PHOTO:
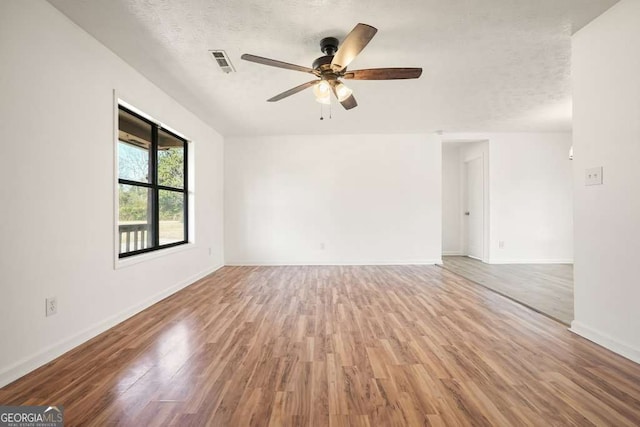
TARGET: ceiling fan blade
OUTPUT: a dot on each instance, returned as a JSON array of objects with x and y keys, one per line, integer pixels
[
  {"x": 352, "y": 45},
  {"x": 278, "y": 64},
  {"x": 292, "y": 91},
  {"x": 349, "y": 103},
  {"x": 384, "y": 74}
]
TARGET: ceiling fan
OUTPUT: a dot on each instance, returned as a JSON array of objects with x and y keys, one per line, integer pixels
[{"x": 332, "y": 67}]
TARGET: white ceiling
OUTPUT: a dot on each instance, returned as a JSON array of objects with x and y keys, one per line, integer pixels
[{"x": 489, "y": 65}]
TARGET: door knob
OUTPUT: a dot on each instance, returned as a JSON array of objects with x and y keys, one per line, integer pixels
[{"x": 466, "y": 213}]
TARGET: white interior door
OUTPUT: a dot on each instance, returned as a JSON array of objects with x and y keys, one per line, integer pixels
[{"x": 474, "y": 208}]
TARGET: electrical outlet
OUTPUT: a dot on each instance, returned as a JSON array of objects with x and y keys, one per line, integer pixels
[
  {"x": 501, "y": 244},
  {"x": 593, "y": 176},
  {"x": 51, "y": 306},
  {"x": 322, "y": 246},
  {"x": 209, "y": 251}
]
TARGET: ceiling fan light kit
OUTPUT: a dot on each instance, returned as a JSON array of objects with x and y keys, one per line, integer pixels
[
  {"x": 332, "y": 67},
  {"x": 322, "y": 91}
]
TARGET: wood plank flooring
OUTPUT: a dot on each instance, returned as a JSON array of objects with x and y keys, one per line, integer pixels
[
  {"x": 547, "y": 288},
  {"x": 337, "y": 346}
]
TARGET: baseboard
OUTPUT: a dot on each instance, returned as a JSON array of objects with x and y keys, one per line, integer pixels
[
  {"x": 530, "y": 261},
  {"x": 28, "y": 364},
  {"x": 452, "y": 253},
  {"x": 605, "y": 341},
  {"x": 328, "y": 263}
]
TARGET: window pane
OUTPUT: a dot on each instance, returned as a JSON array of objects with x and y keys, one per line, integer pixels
[
  {"x": 171, "y": 217},
  {"x": 133, "y": 162},
  {"x": 170, "y": 160},
  {"x": 134, "y": 218},
  {"x": 133, "y": 148}
]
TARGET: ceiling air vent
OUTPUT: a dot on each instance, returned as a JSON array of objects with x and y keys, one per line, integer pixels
[{"x": 223, "y": 61}]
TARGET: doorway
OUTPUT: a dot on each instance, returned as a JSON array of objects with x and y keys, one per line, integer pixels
[{"x": 465, "y": 189}]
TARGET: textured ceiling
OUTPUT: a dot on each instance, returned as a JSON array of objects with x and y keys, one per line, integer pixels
[{"x": 489, "y": 65}]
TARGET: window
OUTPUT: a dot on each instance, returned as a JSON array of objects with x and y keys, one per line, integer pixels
[{"x": 152, "y": 186}]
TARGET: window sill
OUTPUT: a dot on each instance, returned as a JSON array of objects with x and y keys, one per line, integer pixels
[{"x": 137, "y": 259}]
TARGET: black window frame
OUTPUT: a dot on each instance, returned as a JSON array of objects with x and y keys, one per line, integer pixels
[{"x": 155, "y": 187}]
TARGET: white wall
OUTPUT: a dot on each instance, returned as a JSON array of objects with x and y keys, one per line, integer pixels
[
  {"x": 531, "y": 198},
  {"x": 369, "y": 199},
  {"x": 606, "y": 123},
  {"x": 529, "y": 194},
  {"x": 57, "y": 196},
  {"x": 451, "y": 200}
]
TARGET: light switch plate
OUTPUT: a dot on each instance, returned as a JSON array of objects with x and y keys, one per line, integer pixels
[{"x": 593, "y": 176}]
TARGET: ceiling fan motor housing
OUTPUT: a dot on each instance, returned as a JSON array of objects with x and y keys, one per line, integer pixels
[
  {"x": 329, "y": 46},
  {"x": 323, "y": 63}
]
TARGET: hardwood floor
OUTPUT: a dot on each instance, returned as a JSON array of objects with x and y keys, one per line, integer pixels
[
  {"x": 366, "y": 346},
  {"x": 547, "y": 288}
]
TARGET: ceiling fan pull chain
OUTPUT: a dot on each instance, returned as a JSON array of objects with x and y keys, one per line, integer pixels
[
  {"x": 321, "y": 118},
  {"x": 330, "y": 109}
]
